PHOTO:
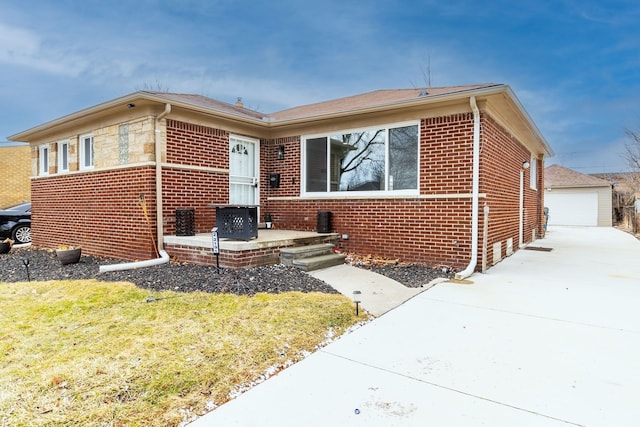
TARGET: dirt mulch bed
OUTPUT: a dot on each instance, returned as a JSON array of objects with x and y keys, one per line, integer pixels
[{"x": 43, "y": 265}]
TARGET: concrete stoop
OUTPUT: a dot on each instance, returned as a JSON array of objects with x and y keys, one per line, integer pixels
[{"x": 311, "y": 257}]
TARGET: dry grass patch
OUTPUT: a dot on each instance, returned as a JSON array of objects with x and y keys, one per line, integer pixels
[{"x": 97, "y": 353}]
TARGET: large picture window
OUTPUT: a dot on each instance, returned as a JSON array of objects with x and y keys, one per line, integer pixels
[{"x": 363, "y": 160}]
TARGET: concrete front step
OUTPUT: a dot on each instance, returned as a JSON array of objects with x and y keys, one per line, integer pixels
[
  {"x": 318, "y": 262},
  {"x": 289, "y": 255}
]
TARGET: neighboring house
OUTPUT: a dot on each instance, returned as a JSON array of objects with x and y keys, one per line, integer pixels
[
  {"x": 15, "y": 164},
  {"x": 401, "y": 171},
  {"x": 574, "y": 198}
]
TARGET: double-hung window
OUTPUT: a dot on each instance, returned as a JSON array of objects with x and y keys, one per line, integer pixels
[
  {"x": 377, "y": 159},
  {"x": 86, "y": 152},
  {"x": 63, "y": 156},
  {"x": 43, "y": 164},
  {"x": 533, "y": 173}
]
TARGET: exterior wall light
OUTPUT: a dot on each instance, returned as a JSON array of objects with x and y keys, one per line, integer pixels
[
  {"x": 525, "y": 164},
  {"x": 280, "y": 152},
  {"x": 131, "y": 105}
]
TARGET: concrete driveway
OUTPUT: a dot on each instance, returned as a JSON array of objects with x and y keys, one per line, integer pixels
[{"x": 544, "y": 338}]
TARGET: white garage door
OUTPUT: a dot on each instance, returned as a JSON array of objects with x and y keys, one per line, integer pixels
[{"x": 572, "y": 208}]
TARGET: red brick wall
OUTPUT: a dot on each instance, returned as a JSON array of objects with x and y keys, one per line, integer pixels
[
  {"x": 436, "y": 231},
  {"x": 99, "y": 211},
  {"x": 501, "y": 163},
  {"x": 446, "y": 154},
  {"x": 201, "y": 146},
  {"x": 289, "y": 168},
  {"x": 183, "y": 189},
  {"x": 195, "y": 145},
  {"x": 418, "y": 230}
]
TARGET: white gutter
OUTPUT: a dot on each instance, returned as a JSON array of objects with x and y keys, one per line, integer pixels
[
  {"x": 475, "y": 187},
  {"x": 164, "y": 256}
]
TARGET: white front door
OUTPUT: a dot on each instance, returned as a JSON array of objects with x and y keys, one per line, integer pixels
[{"x": 243, "y": 171}]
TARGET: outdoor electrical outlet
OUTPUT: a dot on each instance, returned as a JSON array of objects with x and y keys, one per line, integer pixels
[{"x": 345, "y": 237}]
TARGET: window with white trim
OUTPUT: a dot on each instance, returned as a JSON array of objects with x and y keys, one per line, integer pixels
[
  {"x": 63, "y": 156},
  {"x": 377, "y": 159},
  {"x": 533, "y": 175},
  {"x": 43, "y": 155},
  {"x": 86, "y": 152}
]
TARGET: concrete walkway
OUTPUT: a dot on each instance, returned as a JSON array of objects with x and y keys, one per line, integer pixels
[
  {"x": 378, "y": 294},
  {"x": 542, "y": 339}
]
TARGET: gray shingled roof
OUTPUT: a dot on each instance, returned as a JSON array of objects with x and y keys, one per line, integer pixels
[
  {"x": 369, "y": 100},
  {"x": 378, "y": 98},
  {"x": 207, "y": 103},
  {"x": 558, "y": 176}
]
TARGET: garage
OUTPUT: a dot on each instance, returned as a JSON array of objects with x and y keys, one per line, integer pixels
[
  {"x": 574, "y": 198},
  {"x": 572, "y": 208}
]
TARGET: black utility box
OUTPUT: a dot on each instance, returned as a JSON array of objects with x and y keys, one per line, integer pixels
[{"x": 324, "y": 222}]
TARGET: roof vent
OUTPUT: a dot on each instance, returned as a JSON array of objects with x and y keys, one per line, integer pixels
[
  {"x": 423, "y": 92},
  {"x": 239, "y": 102}
]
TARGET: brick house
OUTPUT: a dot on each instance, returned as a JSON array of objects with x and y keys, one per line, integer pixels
[{"x": 405, "y": 173}]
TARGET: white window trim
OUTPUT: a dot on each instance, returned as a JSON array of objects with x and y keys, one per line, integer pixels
[
  {"x": 358, "y": 194},
  {"x": 84, "y": 166},
  {"x": 62, "y": 147},
  {"x": 43, "y": 159}
]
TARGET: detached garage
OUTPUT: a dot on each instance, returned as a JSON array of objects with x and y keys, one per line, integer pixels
[{"x": 574, "y": 198}]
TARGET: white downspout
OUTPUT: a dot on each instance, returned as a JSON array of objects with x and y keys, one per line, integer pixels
[
  {"x": 521, "y": 211},
  {"x": 475, "y": 193},
  {"x": 164, "y": 256},
  {"x": 158, "y": 148}
]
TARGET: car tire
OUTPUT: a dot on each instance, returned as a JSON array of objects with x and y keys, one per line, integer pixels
[{"x": 22, "y": 234}]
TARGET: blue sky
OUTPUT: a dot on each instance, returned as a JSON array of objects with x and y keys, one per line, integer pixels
[{"x": 574, "y": 64}]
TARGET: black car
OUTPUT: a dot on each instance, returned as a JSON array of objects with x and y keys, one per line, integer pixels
[{"x": 15, "y": 223}]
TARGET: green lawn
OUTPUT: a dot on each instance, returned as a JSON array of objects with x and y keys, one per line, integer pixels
[{"x": 98, "y": 353}]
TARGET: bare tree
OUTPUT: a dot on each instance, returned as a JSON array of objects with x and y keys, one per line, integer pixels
[
  {"x": 362, "y": 161},
  {"x": 632, "y": 156},
  {"x": 157, "y": 87},
  {"x": 630, "y": 183},
  {"x": 632, "y": 150}
]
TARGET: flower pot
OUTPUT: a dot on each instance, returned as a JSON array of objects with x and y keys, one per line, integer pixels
[
  {"x": 5, "y": 247},
  {"x": 268, "y": 224},
  {"x": 68, "y": 256}
]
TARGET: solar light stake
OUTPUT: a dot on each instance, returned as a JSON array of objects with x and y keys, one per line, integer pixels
[
  {"x": 25, "y": 261},
  {"x": 357, "y": 301}
]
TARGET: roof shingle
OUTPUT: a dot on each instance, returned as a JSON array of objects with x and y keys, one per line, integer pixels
[{"x": 558, "y": 176}]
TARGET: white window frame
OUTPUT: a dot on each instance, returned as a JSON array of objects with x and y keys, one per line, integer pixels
[
  {"x": 43, "y": 159},
  {"x": 533, "y": 173},
  {"x": 359, "y": 194},
  {"x": 83, "y": 153},
  {"x": 63, "y": 148}
]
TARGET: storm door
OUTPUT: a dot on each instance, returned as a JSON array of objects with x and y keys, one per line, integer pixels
[{"x": 243, "y": 171}]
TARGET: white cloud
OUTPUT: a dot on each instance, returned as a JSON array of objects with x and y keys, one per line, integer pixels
[{"x": 25, "y": 48}]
